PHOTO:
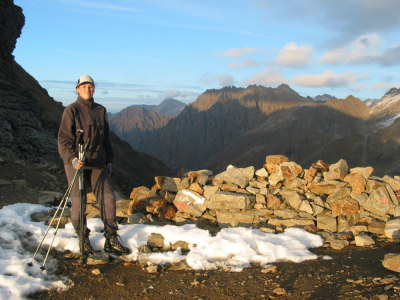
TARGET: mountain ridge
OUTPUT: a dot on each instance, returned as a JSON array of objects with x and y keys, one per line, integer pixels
[{"x": 230, "y": 125}]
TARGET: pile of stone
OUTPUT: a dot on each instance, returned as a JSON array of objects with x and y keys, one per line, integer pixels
[{"x": 343, "y": 205}]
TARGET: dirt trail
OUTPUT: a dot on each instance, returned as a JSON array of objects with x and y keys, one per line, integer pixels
[{"x": 352, "y": 273}]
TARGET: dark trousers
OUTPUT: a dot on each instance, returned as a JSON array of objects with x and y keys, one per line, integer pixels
[{"x": 99, "y": 181}]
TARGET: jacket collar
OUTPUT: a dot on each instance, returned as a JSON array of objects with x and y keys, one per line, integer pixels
[{"x": 85, "y": 102}]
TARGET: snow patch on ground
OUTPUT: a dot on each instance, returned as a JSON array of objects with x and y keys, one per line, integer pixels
[{"x": 232, "y": 248}]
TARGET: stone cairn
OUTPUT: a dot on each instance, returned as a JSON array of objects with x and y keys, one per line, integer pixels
[{"x": 343, "y": 206}]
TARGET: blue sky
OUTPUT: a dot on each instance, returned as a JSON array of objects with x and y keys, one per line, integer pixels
[{"x": 141, "y": 52}]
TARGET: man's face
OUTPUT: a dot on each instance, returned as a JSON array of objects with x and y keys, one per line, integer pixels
[{"x": 85, "y": 91}]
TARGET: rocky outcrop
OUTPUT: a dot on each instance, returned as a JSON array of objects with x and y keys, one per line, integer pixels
[
  {"x": 12, "y": 21},
  {"x": 344, "y": 205}
]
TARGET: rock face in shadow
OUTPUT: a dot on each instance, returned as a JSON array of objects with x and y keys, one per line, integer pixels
[
  {"x": 133, "y": 124},
  {"x": 136, "y": 123},
  {"x": 29, "y": 121},
  {"x": 241, "y": 126}
]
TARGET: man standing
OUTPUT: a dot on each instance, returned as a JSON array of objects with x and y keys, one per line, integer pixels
[{"x": 89, "y": 119}]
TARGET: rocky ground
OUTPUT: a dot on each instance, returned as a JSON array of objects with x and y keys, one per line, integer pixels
[
  {"x": 352, "y": 273},
  {"x": 28, "y": 182}
]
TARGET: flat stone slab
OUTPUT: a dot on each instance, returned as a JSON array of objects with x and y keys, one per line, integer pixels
[{"x": 99, "y": 258}]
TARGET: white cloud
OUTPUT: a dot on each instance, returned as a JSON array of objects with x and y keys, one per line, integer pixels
[
  {"x": 327, "y": 79},
  {"x": 237, "y": 52},
  {"x": 334, "y": 56},
  {"x": 295, "y": 56},
  {"x": 244, "y": 64},
  {"x": 347, "y": 18},
  {"x": 174, "y": 93},
  {"x": 223, "y": 80},
  {"x": 269, "y": 77},
  {"x": 385, "y": 86},
  {"x": 364, "y": 50},
  {"x": 391, "y": 56}
]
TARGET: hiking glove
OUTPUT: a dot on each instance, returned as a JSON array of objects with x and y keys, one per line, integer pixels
[{"x": 77, "y": 164}]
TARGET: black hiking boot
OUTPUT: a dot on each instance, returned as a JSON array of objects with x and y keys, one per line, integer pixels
[
  {"x": 87, "y": 248},
  {"x": 113, "y": 245}
]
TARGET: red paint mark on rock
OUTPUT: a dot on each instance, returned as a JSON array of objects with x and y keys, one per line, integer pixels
[
  {"x": 385, "y": 200},
  {"x": 181, "y": 205}
]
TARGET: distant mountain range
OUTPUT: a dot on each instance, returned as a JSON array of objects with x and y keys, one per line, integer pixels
[
  {"x": 169, "y": 107},
  {"x": 136, "y": 122},
  {"x": 324, "y": 98},
  {"x": 241, "y": 126}
]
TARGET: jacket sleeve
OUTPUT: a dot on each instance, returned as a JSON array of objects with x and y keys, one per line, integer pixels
[
  {"x": 107, "y": 140},
  {"x": 67, "y": 137}
]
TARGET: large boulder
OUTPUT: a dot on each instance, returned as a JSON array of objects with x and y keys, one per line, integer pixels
[
  {"x": 379, "y": 202},
  {"x": 357, "y": 182},
  {"x": 238, "y": 176},
  {"x": 293, "y": 198},
  {"x": 337, "y": 171},
  {"x": 230, "y": 200},
  {"x": 327, "y": 222},
  {"x": 227, "y": 218},
  {"x": 190, "y": 202},
  {"x": 325, "y": 187}
]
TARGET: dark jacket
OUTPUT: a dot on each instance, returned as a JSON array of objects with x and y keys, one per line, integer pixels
[{"x": 92, "y": 118}]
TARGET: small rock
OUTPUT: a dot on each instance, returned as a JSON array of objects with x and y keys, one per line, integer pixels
[
  {"x": 40, "y": 217},
  {"x": 279, "y": 291},
  {"x": 184, "y": 246},
  {"x": 144, "y": 249},
  {"x": 138, "y": 218},
  {"x": 339, "y": 244},
  {"x": 152, "y": 269},
  {"x": 155, "y": 240},
  {"x": 392, "y": 262},
  {"x": 392, "y": 229},
  {"x": 262, "y": 172},
  {"x": 46, "y": 200},
  {"x": 179, "y": 266},
  {"x": 98, "y": 259},
  {"x": 271, "y": 269},
  {"x": 364, "y": 240},
  {"x": 96, "y": 272},
  {"x": 69, "y": 255},
  {"x": 195, "y": 283}
]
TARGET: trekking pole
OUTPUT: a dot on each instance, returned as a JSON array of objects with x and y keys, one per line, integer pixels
[
  {"x": 81, "y": 152},
  {"x": 64, "y": 199},
  {"x": 82, "y": 155},
  {"x": 82, "y": 198}
]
